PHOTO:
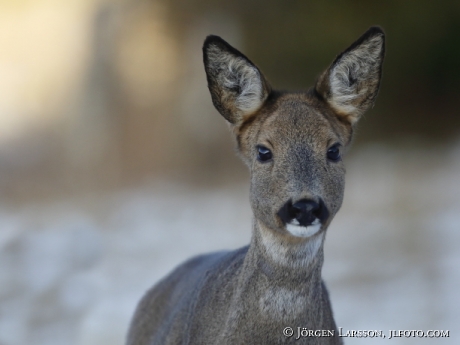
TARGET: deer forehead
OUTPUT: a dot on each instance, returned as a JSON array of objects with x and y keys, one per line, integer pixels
[{"x": 299, "y": 123}]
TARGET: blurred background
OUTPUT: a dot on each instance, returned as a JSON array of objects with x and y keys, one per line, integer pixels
[{"x": 115, "y": 167}]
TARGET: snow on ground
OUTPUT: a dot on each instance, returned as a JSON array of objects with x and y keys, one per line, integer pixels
[{"x": 72, "y": 271}]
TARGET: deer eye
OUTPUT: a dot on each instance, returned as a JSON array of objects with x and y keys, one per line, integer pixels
[
  {"x": 263, "y": 154},
  {"x": 333, "y": 153}
]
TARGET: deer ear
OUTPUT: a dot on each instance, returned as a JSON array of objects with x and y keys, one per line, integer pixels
[
  {"x": 350, "y": 85},
  {"x": 237, "y": 86}
]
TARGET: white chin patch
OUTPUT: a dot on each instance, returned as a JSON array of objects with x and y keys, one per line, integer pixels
[{"x": 303, "y": 231}]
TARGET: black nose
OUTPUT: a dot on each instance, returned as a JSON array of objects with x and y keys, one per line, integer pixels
[{"x": 304, "y": 212}]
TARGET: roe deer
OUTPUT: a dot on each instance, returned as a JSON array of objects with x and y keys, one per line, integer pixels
[{"x": 293, "y": 145}]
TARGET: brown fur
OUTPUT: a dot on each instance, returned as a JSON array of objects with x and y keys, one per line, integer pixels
[{"x": 250, "y": 295}]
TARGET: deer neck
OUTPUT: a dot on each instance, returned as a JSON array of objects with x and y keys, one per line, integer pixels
[
  {"x": 283, "y": 252},
  {"x": 283, "y": 276},
  {"x": 285, "y": 262}
]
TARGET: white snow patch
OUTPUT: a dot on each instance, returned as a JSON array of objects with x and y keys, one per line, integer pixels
[{"x": 72, "y": 274}]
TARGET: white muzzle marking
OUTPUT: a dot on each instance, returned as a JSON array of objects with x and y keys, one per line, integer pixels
[{"x": 303, "y": 231}]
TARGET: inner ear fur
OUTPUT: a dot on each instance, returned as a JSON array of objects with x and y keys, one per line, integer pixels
[
  {"x": 350, "y": 85},
  {"x": 237, "y": 86}
]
